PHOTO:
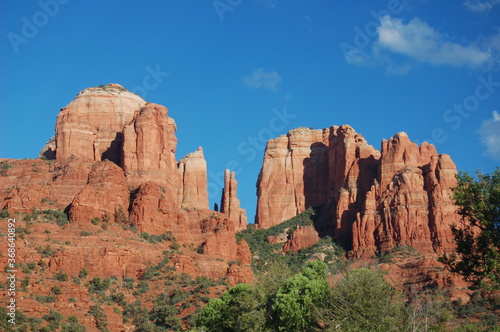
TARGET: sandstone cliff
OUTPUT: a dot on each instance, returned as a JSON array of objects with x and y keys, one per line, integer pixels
[
  {"x": 230, "y": 204},
  {"x": 115, "y": 161},
  {"x": 372, "y": 200}
]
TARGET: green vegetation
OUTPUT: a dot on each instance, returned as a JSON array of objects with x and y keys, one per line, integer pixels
[
  {"x": 477, "y": 256},
  {"x": 4, "y": 167},
  {"x": 267, "y": 254},
  {"x": 158, "y": 238},
  {"x": 361, "y": 301},
  {"x": 101, "y": 321}
]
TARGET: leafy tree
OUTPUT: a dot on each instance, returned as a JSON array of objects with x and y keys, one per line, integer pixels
[
  {"x": 477, "y": 256},
  {"x": 363, "y": 301},
  {"x": 296, "y": 300},
  {"x": 237, "y": 310}
]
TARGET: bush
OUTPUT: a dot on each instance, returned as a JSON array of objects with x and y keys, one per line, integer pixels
[
  {"x": 364, "y": 301},
  {"x": 4, "y": 213},
  {"x": 60, "y": 276},
  {"x": 98, "y": 285},
  {"x": 100, "y": 316}
]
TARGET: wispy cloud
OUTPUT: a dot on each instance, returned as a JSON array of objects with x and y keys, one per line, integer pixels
[
  {"x": 480, "y": 6},
  {"x": 490, "y": 136},
  {"x": 423, "y": 43},
  {"x": 262, "y": 79}
]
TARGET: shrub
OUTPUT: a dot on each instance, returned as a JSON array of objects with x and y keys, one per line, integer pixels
[
  {"x": 101, "y": 321},
  {"x": 364, "y": 301},
  {"x": 83, "y": 273},
  {"x": 60, "y": 276},
  {"x": 98, "y": 285}
]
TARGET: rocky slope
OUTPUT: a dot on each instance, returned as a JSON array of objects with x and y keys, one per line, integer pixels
[
  {"x": 115, "y": 160},
  {"x": 371, "y": 200}
]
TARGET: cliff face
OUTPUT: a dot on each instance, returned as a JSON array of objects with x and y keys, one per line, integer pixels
[
  {"x": 115, "y": 161},
  {"x": 372, "y": 200},
  {"x": 90, "y": 127},
  {"x": 230, "y": 204}
]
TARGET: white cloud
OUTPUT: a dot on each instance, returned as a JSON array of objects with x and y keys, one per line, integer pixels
[
  {"x": 420, "y": 41},
  {"x": 480, "y": 6},
  {"x": 490, "y": 136},
  {"x": 260, "y": 78}
]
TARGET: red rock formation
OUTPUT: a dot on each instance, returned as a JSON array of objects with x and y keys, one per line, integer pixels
[
  {"x": 149, "y": 145},
  {"x": 372, "y": 200},
  {"x": 90, "y": 127},
  {"x": 193, "y": 192},
  {"x": 300, "y": 238},
  {"x": 293, "y": 176},
  {"x": 230, "y": 204},
  {"x": 105, "y": 193},
  {"x": 142, "y": 184},
  {"x": 39, "y": 184}
]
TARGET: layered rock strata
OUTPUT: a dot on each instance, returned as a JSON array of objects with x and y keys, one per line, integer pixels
[
  {"x": 115, "y": 161},
  {"x": 371, "y": 200},
  {"x": 230, "y": 204}
]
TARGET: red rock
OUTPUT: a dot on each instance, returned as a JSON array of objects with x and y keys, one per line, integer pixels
[
  {"x": 230, "y": 204},
  {"x": 293, "y": 176},
  {"x": 90, "y": 127},
  {"x": 105, "y": 193},
  {"x": 34, "y": 183},
  {"x": 300, "y": 238},
  {"x": 193, "y": 178},
  {"x": 149, "y": 145},
  {"x": 372, "y": 201}
]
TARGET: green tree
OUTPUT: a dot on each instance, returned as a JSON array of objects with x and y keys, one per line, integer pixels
[
  {"x": 237, "y": 310},
  {"x": 363, "y": 301},
  {"x": 296, "y": 301},
  {"x": 477, "y": 253}
]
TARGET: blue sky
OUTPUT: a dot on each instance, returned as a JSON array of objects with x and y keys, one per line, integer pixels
[{"x": 234, "y": 73}]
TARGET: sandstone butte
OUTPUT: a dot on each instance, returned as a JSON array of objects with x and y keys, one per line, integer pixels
[
  {"x": 114, "y": 159},
  {"x": 370, "y": 200}
]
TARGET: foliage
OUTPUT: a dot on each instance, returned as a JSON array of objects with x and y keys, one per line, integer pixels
[
  {"x": 282, "y": 305},
  {"x": 296, "y": 300},
  {"x": 363, "y": 301},
  {"x": 4, "y": 167},
  {"x": 54, "y": 319},
  {"x": 58, "y": 216},
  {"x": 4, "y": 213},
  {"x": 60, "y": 276},
  {"x": 100, "y": 317},
  {"x": 158, "y": 238},
  {"x": 477, "y": 256},
  {"x": 46, "y": 252},
  {"x": 236, "y": 310},
  {"x": 266, "y": 254},
  {"x": 98, "y": 285}
]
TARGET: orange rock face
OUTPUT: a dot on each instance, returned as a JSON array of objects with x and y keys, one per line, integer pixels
[
  {"x": 293, "y": 176},
  {"x": 372, "y": 200},
  {"x": 230, "y": 204},
  {"x": 115, "y": 161},
  {"x": 90, "y": 127},
  {"x": 193, "y": 177},
  {"x": 300, "y": 238},
  {"x": 105, "y": 193}
]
